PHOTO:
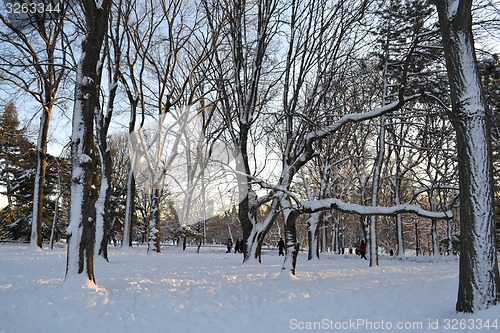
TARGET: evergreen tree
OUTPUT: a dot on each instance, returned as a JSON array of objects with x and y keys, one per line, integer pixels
[
  {"x": 17, "y": 173},
  {"x": 17, "y": 160}
]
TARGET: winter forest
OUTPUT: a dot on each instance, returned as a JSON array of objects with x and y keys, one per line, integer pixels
[{"x": 148, "y": 125}]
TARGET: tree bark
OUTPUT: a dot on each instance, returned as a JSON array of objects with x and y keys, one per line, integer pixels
[
  {"x": 313, "y": 224},
  {"x": 41, "y": 170},
  {"x": 375, "y": 190},
  {"x": 81, "y": 230},
  {"x": 479, "y": 277},
  {"x": 291, "y": 245}
]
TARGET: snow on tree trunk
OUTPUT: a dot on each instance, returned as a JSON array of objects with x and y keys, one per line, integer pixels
[
  {"x": 253, "y": 244},
  {"x": 134, "y": 168},
  {"x": 56, "y": 209},
  {"x": 81, "y": 229},
  {"x": 375, "y": 189},
  {"x": 312, "y": 235},
  {"x": 324, "y": 246},
  {"x": 291, "y": 245},
  {"x": 479, "y": 278},
  {"x": 336, "y": 233},
  {"x": 41, "y": 167},
  {"x": 434, "y": 232},
  {"x": 102, "y": 207},
  {"x": 103, "y": 120},
  {"x": 400, "y": 248},
  {"x": 154, "y": 221},
  {"x": 129, "y": 211}
]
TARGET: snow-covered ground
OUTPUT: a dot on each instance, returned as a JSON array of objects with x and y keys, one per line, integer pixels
[{"x": 212, "y": 291}]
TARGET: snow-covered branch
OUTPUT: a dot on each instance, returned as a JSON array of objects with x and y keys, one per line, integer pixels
[
  {"x": 358, "y": 117},
  {"x": 435, "y": 187},
  {"x": 333, "y": 203}
]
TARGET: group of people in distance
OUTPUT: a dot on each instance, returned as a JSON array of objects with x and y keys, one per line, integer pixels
[{"x": 238, "y": 248}]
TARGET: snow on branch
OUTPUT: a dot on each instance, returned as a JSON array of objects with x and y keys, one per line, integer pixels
[
  {"x": 307, "y": 152},
  {"x": 437, "y": 186},
  {"x": 358, "y": 117},
  {"x": 332, "y": 203}
]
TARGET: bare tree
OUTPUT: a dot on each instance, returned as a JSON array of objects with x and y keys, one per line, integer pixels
[
  {"x": 110, "y": 64},
  {"x": 244, "y": 76},
  {"x": 34, "y": 60}
]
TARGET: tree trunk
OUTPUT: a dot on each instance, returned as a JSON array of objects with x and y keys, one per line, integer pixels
[
  {"x": 103, "y": 120},
  {"x": 375, "y": 189},
  {"x": 81, "y": 230},
  {"x": 134, "y": 167},
  {"x": 478, "y": 278},
  {"x": 434, "y": 238},
  {"x": 400, "y": 246},
  {"x": 56, "y": 206},
  {"x": 103, "y": 223},
  {"x": 335, "y": 236},
  {"x": 313, "y": 224},
  {"x": 449, "y": 237},
  {"x": 41, "y": 170},
  {"x": 154, "y": 221},
  {"x": 434, "y": 232},
  {"x": 129, "y": 209},
  {"x": 291, "y": 245}
]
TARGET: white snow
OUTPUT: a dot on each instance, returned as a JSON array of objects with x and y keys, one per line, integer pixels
[
  {"x": 212, "y": 291},
  {"x": 452, "y": 8},
  {"x": 334, "y": 203}
]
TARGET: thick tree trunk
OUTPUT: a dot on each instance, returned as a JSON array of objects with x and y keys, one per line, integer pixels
[
  {"x": 479, "y": 278},
  {"x": 81, "y": 230}
]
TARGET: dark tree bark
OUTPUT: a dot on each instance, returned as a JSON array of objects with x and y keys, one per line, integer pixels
[
  {"x": 81, "y": 231},
  {"x": 479, "y": 278}
]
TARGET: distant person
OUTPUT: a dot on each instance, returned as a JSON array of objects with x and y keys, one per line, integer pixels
[
  {"x": 362, "y": 250},
  {"x": 281, "y": 247},
  {"x": 237, "y": 246},
  {"x": 229, "y": 245},
  {"x": 391, "y": 252}
]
